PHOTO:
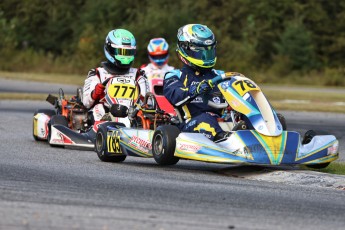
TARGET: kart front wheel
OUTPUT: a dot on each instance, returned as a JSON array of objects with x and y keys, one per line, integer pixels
[
  {"x": 282, "y": 121},
  {"x": 164, "y": 143},
  {"x": 308, "y": 136},
  {"x": 101, "y": 146}
]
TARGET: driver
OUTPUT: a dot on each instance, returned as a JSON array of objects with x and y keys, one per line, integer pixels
[
  {"x": 119, "y": 50},
  {"x": 190, "y": 87},
  {"x": 158, "y": 53}
]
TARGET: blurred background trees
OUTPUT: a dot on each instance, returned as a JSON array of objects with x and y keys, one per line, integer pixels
[{"x": 284, "y": 41}]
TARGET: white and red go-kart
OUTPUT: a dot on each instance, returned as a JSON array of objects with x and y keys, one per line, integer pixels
[
  {"x": 70, "y": 114},
  {"x": 69, "y": 125},
  {"x": 156, "y": 88}
]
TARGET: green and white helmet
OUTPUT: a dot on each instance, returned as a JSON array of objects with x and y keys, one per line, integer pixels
[{"x": 120, "y": 48}]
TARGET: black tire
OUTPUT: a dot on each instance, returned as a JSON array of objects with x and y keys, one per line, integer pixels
[
  {"x": 282, "y": 121},
  {"x": 56, "y": 120},
  {"x": 48, "y": 112},
  {"x": 101, "y": 144},
  {"x": 308, "y": 136},
  {"x": 241, "y": 125},
  {"x": 164, "y": 143}
]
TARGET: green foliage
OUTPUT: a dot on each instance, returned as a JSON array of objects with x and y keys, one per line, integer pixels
[
  {"x": 296, "y": 45},
  {"x": 269, "y": 40}
]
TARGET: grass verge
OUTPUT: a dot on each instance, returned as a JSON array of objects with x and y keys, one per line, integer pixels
[
  {"x": 26, "y": 96},
  {"x": 280, "y": 99},
  {"x": 45, "y": 77},
  {"x": 333, "y": 168}
]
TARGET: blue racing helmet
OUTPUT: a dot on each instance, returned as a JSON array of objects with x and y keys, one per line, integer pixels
[{"x": 196, "y": 46}]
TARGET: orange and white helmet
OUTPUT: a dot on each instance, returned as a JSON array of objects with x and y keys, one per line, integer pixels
[{"x": 158, "y": 50}]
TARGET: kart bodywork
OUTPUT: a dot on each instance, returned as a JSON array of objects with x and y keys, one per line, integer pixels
[
  {"x": 257, "y": 135},
  {"x": 68, "y": 114},
  {"x": 242, "y": 147},
  {"x": 70, "y": 125}
]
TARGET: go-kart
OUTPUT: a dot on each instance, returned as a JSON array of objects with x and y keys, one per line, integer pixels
[
  {"x": 70, "y": 113},
  {"x": 156, "y": 88},
  {"x": 70, "y": 124},
  {"x": 256, "y": 135}
]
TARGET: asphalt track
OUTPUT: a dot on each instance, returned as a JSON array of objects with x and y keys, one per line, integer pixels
[{"x": 54, "y": 188}]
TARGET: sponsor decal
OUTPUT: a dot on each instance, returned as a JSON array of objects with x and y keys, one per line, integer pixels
[
  {"x": 191, "y": 123},
  {"x": 208, "y": 42},
  {"x": 140, "y": 144},
  {"x": 188, "y": 147},
  {"x": 126, "y": 39},
  {"x": 333, "y": 149},
  {"x": 243, "y": 152},
  {"x": 225, "y": 85},
  {"x": 216, "y": 100},
  {"x": 197, "y": 100},
  {"x": 61, "y": 139},
  {"x": 123, "y": 80}
]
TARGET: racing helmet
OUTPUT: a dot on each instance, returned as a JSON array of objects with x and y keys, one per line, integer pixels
[
  {"x": 196, "y": 46},
  {"x": 120, "y": 48},
  {"x": 158, "y": 50}
]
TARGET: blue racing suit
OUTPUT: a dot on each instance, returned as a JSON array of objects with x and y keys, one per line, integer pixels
[{"x": 197, "y": 114}]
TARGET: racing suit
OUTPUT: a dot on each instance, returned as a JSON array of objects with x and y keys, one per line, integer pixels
[
  {"x": 152, "y": 71},
  {"x": 99, "y": 75},
  {"x": 197, "y": 114}
]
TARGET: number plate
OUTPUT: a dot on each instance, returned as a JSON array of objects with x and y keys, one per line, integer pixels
[{"x": 243, "y": 86}]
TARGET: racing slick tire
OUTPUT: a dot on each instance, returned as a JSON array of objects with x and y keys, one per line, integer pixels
[
  {"x": 164, "y": 143},
  {"x": 308, "y": 136},
  {"x": 49, "y": 112},
  {"x": 101, "y": 143},
  {"x": 242, "y": 125},
  {"x": 56, "y": 120},
  {"x": 282, "y": 121}
]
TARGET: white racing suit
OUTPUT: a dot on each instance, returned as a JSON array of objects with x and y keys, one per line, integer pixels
[
  {"x": 115, "y": 94},
  {"x": 152, "y": 71}
]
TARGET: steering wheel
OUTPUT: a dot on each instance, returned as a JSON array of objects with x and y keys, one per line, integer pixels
[{"x": 216, "y": 80}]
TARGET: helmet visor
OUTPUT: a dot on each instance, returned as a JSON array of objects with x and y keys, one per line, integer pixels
[
  {"x": 207, "y": 53},
  {"x": 122, "y": 51},
  {"x": 159, "y": 59}
]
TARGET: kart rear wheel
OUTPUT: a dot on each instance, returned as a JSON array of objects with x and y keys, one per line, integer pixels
[
  {"x": 308, "y": 136},
  {"x": 164, "y": 143},
  {"x": 241, "y": 125},
  {"x": 101, "y": 145},
  {"x": 282, "y": 121},
  {"x": 56, "y": 120},
  {"x": 48, "y": 112}
]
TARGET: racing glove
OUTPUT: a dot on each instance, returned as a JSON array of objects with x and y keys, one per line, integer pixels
[
  {"x": 98, "y": 92},
  {"x": 203, "y": 87}
]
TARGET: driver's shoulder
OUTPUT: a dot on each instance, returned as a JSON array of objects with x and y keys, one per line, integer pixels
[
  {"x": 218, "y": 72},
  {"x": 172, "y": 73}
]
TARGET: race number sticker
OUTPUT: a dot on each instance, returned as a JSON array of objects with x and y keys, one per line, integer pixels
[
  {"x": 242, "y": 86},
  {"x": 113, "y": 142},
  {"x": 119, "y": 90}
]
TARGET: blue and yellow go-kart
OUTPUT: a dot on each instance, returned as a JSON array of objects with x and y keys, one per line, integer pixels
[{"x": 257, "y": 135}]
